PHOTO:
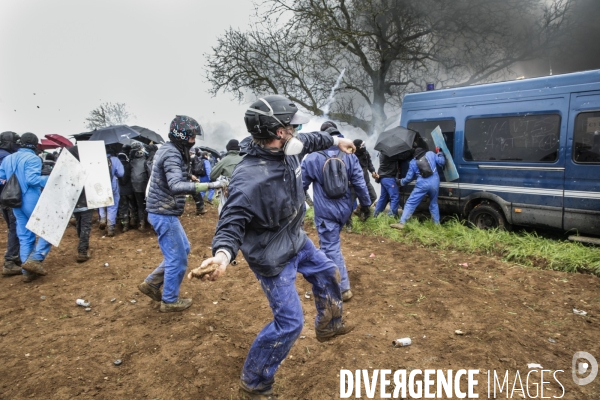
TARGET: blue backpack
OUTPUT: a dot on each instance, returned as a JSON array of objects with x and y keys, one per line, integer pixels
[{"x": 335, "y": 176}]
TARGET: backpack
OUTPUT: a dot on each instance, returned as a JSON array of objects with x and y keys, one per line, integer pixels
[
  {"x": 198, "y": 168},
  {"x": 335, "y": 176},
  {"x": 424, "y": 166},
  {"x": 11, "y": 193}
]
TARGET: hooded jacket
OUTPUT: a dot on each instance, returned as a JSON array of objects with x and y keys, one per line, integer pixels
[
  {"x": 365, "y": 160},
  {"x": 168, "y": 182},
  {"x": 226, "y": 166},
  {"x": 139, "y": 175},
  {"x": 435, "y": 160},
  {"x": 28, "y": 167},
  {"x": 265, "y": 209},
  {"x": 337, "y": 210},
  {"x": 388, "y": 166}
]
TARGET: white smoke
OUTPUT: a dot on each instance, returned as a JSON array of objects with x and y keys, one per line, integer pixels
[{"x": 331, "y": 97}]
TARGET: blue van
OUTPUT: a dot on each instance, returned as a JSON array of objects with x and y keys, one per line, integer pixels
[{"x": 527, "y": 151}]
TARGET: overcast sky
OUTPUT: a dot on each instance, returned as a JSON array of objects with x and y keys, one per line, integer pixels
[{"x": 68, "y": 56}]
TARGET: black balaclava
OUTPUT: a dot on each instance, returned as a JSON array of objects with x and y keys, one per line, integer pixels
[
  {"x": 29, "y": 141},
  {"x": 358, "y": 143},
  {"x": 8, "y": 141}
]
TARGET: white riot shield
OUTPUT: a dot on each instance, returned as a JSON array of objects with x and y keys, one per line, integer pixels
[
  {"x": 98, "y": 187},
  {"x": 57, "y": 202}
]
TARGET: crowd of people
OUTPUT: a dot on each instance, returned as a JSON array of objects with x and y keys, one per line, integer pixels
[{"x": 263, "y": 181}]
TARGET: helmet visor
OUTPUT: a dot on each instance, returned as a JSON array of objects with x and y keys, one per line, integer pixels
[{"x": 299, "y": 118}]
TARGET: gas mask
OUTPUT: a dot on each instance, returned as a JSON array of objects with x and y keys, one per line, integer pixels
[{"x": 293, "y": 146}]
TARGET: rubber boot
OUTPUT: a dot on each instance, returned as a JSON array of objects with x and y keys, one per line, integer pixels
[
  {"x": 125, "y": 224},
  {"x": 142, "y": 227},
  {"x": 11, "y": 268},
  {"x": 110, "y": 231},
  {"x": 102, "y": 225}
]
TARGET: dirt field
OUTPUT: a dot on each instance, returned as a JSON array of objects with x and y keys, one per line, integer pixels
[{"x": 53, "y": 349}]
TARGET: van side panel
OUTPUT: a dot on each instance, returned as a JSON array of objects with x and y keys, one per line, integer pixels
[{"x": 582, "y": 175}]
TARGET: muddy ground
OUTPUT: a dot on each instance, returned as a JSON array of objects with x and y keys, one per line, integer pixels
[{"x": 52, "y": 349}]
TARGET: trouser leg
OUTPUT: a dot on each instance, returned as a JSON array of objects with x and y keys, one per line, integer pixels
[
  {"x": 434, "y": 209},
  {"x": 12, "y": 245},
  {"x": 175, "y": 248},
  {"x": 330, "y": 244},
  {"x": 84, "y": 229},
  {"x": 412, "y": 203},
  {"x": 140, "y": 199}
]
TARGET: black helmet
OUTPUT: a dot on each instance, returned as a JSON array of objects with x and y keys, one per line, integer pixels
[{"x": 264, "y": 116}]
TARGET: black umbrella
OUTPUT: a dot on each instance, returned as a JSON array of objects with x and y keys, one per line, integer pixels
[
  {"x": 147, "y": 136},
  {"x": 83, "y": 136},
  {"x": 114, "y": 134},
  {"x": 214, "y": 152},
  {"x": 396, "y": 141}
]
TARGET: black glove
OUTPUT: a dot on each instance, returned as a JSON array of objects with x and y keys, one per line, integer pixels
[{"x": 365, "y": 213}]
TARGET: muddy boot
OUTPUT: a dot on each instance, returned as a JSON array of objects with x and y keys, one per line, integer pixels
[
  {"x": 125, "y": 224},
  {"x": 347, "y": 295},
  {"x": 179, "y": 305},
  {"x": 30, "y": 277},
  {"x": 102, "y": 224},
  {"x": 34, "y": 266},
  {"x": 150, "y": 291},
  {"x": 10, "y": 268},
  {"x": 397, "y": 226},
  {"x": 200, "y": 211},
  {"x": 83, "y": 257},
  {"x": 346, "y": 328},
  {"x": 142, "y": 227},
  {"x": 110, "y": 232},
  {"x": 248, "y": 394}
]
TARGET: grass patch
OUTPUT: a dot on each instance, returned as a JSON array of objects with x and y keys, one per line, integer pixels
[{"x": 518, "y": 247}]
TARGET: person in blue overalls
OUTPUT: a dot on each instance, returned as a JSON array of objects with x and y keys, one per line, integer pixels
[
  {"x": 28, "y": 168},
  {"x": 428, "y": 182},
  {"x": 263, "y": 218}
]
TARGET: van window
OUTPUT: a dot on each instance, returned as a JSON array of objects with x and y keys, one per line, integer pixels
[
  {"x": 586, "y": 138},
  {"x": 524, "y": 138},
  {"x": 426, "y": 127}
]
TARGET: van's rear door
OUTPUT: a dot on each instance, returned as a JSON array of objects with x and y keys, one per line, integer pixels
[{"x": 582, "y": 167}]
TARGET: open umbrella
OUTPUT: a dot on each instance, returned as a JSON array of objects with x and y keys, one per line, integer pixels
[
  {"x": 83, "y": 136},
  {"x": 395, "y": 142},
  {"x": 214, "y": 152},
  {"x": 114, "y": 134},
  {"x": 147, "y": 136},
  {"x": 60, "y": 140},
  {"x": 46, "y": 144}
]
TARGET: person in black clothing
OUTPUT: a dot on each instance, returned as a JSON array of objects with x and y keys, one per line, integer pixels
[
  {"x": 127, "y": 204},
  {"x": 367, "y": 166},
  {"x": 83, "y": 218},
  {"x": 48, "y": 164},
  {"x": 200, "y": 169},
  {"x": 139, "y": 180},
  {"x": 12, "y": 260},
  {"x": 387, "y": 175}
]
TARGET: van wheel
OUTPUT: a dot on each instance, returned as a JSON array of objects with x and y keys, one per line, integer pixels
[{"x": 488, "y": 216}]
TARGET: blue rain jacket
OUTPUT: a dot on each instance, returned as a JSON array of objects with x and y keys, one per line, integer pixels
[
  {"x": 264, "y": 212},
  {"x": 337, "y": 210},
  {"x": 28, "y": 167}
]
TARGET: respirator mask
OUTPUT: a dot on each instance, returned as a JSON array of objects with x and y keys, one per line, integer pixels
[{"x": 293, "y": 146}]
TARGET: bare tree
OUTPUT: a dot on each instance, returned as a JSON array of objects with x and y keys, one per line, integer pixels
[
  {"x": 386, "y": 48},
  {"x": 107, "y": 114}
]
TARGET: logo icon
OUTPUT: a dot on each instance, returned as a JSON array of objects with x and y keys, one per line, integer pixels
[{"x": 581, "y": 368}]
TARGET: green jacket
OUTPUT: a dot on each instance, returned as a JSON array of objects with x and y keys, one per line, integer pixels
[{"x": 226, "y": 165}]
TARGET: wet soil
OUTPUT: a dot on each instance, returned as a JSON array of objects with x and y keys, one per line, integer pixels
[{"x": 53, "y": 349}]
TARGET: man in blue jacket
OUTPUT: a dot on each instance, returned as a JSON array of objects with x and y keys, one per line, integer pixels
[
  {"x": 331, "y": 214},
  {"x": 263, "y": 217},
  {"x": 28, "y": 168},
  {"x": 12, "y": 261},
  {"x": 428, "y": 182},
  {"x": 169, "y": 183}
]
